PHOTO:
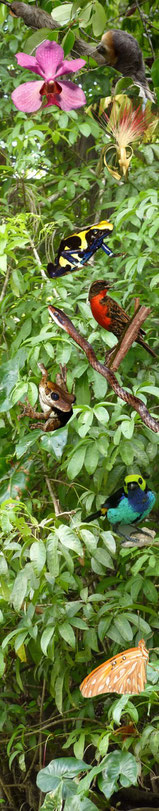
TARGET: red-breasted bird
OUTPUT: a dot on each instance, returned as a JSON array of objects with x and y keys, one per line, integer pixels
[{"x": 110, "y": 315}]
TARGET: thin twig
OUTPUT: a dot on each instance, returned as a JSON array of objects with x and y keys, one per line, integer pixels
[
  {"x": 39, "y": 263},
  {"x": 129, "y": 336},
  {"x": 37, "y": 257},
  {"x": 55, "y": 501},
  {"x": 142, "y": 18},
  {"x": 5, "y": 284},
  {"x": 64, "y": 322},
  {"x": 40, "y": 737}
]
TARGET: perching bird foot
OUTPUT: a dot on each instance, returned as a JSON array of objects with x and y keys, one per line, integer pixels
[{"x": 136, "y": 537}]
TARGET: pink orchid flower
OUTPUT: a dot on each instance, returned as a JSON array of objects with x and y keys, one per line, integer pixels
[{"x": 49, "y": 63}]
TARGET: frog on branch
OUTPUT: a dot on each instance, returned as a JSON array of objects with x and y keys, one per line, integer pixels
[{"x": 55, "y": 400}]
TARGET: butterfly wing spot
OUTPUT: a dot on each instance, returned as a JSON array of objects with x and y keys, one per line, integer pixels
[{"x": 129, "y": 676}]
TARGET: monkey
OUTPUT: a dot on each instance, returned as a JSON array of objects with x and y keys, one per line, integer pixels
[{"x": 121, "y": 51}]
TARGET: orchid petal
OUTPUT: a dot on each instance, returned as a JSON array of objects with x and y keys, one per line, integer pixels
[
  {"x": 71, "y": 96},
  {"x": 28, "y": 62},
  {"x": 49, "y": 57},
  {"x": 70, "y": 66},
  {"x": 27, "y": 96}
]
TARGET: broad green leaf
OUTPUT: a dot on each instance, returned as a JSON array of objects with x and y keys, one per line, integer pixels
[
  {"x": 32, "y": 393},
  {"x": 76, "y": 462},
  {"x": 52, "y": 555},
  {"x": 38, "y": 555},
  {"x": 26, "y": 442},
  {"x": 53, "y": 800},
  {"x": 79, "y": 804},
  {"x": 118, "y": 708},
  {"x": 103, "y": 557},
  {"x": 67, "y": 633},
  {"x": 79, "y": 746},
  {"x": 59, "y": 692},
  {"x": 155, "y": 72},
  {"x": 69, "y": 539},
  {"x": 19, "y": 590},
  {"x": 48, "y": 779},
  {"x": 39, "y": 36},
  {"x": 68, "y": 42},
  {"x": 102, "y": 414},
  {"x": 2, "y": 664},
  {"x": 98, "y": 19},
  {"x": 62, "y": 14},
  {"x": 55, "y": 442},
  {"x": 124, "y": 627},
  {"x": 91, "y": 458},
  {"x": 45, "y": 639}
]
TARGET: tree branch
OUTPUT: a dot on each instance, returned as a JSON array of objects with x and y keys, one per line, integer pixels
[
  {"x": 35, "y": 17},
  {"x": 129, "y": 336},
  {"x": 64, "y": 322}
]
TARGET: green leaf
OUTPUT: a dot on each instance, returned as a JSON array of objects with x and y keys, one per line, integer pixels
[
  {"x": 98, "y": 19},
  {"x": 48, "y": 779},
  {"x": 2, "y": 664},
  {"x": 79, "y": 746},
  {"x": 26, "y": 442},
  {"x": 55, "y": 442},
  {"x": 124, "y": 627},
  {"x": 103, "y": 557},
  {"x": 102, "y": 414},
  {"x": 85, "y": 130},
  {"x": 67, "y": 633},
  {"x": 53, "y": 800},
  {"x": 39, "y": 36},
  {"x": 19, "y": 590},
  {"x": 32, "y": 393},
  {"x": 76, "y": 462},
  {"x": 69, "y": 539},
  {"x": 91, "y": 458},
  {"x": 120, "y": 766},
  {"x": 68, "y": 42},
  {"x": 52, "y": 555},
  {"x": 127, "y": 428},
  {"x": 118, "y": 708},
  {"x": 59, "y": 692},
  {"x": 38, "y": 555},
  {"x": 62, "y": 14},
  {"x": 45, "y": 639},
  {"x": 155, "y": 72},
  {"x": 79, "y": 804},
  {"x": 150, "y": 591}
]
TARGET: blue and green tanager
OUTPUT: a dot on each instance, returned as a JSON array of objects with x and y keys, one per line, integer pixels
[{"x": 131, "y": 503}]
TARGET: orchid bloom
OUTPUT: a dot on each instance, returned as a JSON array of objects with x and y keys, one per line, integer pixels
[{"x": 49, "y": 63}]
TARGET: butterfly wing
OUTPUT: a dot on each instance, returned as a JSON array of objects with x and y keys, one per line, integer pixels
[{"x": 125, "y": 673}]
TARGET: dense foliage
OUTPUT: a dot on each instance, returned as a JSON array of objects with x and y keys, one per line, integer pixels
[{"x": 72, "y": 596}]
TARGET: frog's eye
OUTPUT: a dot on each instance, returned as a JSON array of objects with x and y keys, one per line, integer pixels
[{"x": 54, "y": 396}]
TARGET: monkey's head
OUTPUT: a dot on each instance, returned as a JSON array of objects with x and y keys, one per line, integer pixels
[{"x": 121, "y": 51}]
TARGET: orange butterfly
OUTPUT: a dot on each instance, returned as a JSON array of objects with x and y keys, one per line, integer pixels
[{"x": 124, "y": 673}]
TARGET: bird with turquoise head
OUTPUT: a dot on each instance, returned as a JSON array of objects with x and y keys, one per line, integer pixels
[{"x": 130, "y": 504}]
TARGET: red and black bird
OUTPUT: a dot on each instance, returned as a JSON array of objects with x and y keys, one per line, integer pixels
[{"x": 110, "y": 315}]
